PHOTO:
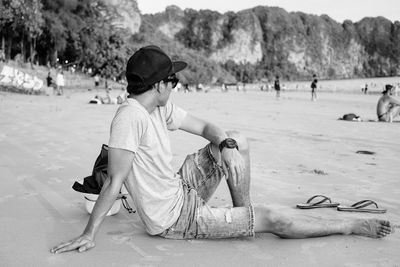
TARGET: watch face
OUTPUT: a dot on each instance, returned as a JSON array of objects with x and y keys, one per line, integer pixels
[{"x": 230, "y": 143}]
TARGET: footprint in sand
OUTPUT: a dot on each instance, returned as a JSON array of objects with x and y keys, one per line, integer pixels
[
  {"x": 40, "y": 139},
  {"x": 54, "y": 167},
  {"x": 374, "y": 263},
  {"x": 3, "y": 137},
  {"x": 28, "y": 195},
  {"x": 192, "y": 241},
  {"x": 128, "y": 240},
  {"x": 134, "y": 228},
  {"x": 164, "y": 247},
  {"x": 5, "y": 198},
  {"x": 167, "y": 249},
  {"x": 254, "y": 251},
  {"x": 73, "y": 205},
  {"x": 54, "y": 180},
  {"x": 121, "y": 238},
  {"x": 72, "y": 158},
  {"x": 22, "y": 177},
  {"x": 71, "y": 221},
  {"x": 55, "y": 260},
  {"x": 309, "y": 249},
  {"x": 118, "y": 232}
]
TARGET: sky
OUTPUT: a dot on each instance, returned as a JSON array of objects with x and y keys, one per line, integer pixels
[{"x": 339, "y": 10}]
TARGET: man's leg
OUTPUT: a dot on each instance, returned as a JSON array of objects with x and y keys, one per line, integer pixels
[
  {"x": 241, "y": 193},
  {"x": 274, "y": 220},
  {"x": 393, "y": 113}
]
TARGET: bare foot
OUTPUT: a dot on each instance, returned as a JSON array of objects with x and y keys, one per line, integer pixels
[{"x": 372, "y": 228}]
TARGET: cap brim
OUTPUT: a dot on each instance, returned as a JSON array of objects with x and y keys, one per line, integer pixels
[{"x": 178, "y": 66}]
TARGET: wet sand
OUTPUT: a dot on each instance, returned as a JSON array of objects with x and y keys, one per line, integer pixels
[{"x": 298, "y": 149}]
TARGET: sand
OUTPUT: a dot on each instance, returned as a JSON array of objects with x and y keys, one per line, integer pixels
[{"x": 298, "y": 149}]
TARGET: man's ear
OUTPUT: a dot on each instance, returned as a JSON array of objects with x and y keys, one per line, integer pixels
[{"x": 158, "y": 87}]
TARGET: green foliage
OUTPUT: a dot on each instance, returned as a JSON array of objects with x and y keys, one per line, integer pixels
[
  {"x": 230, "y": 23},
  {"x": 197, "y": 33},
  {"x": 82, "y": 33}
]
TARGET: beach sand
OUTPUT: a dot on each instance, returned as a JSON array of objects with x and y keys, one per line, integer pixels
[{"x": 298, "y": 149}]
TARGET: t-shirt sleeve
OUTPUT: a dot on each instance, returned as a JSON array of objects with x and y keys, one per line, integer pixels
[
  {"x": 126, "y": 129},
  {"x": 174, "y": 116}
]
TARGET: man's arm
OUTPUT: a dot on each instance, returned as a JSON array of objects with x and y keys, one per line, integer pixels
[
  {"x": 232, "y": 161},
  {"x": 119, "y": 165},
  {"x": 199, "y": 127}
]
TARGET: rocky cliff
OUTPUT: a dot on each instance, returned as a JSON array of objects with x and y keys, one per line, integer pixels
[
  {"x": 125, "y": 14},
  {"x": 294, "y": 45},
  {"x": 262, "y": 42}
]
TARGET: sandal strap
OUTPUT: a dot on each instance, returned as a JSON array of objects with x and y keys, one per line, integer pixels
[
  {"x": 123, "y": 200},
  {"x": 324, "y": 199},
  {"x": 89, "y": 199},
  {"x": 364, "y": 203},
  {"x": 126, "y": 205}
]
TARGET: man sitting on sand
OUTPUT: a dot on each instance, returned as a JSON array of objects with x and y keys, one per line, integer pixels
[
  {"x": 388, "y": 108},
  {"x": 174, "y": 205}
]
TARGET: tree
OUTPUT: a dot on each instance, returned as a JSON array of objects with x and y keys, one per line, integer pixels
[
  {"x": 5, "y": 21},
  {"x": 33, "y": 22}
]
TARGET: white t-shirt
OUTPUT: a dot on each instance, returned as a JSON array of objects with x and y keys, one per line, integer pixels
[
  {"x": 60, "y": 79},
  {"x": 152, "y": 183}
]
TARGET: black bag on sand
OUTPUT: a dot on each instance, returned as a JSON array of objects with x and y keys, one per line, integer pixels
[
  {"x": 350, "y": 117},
  {"x": 92, "y": 184}
]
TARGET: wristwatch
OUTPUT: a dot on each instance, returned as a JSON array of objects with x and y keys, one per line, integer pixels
[{"x": 228, "y": 143}]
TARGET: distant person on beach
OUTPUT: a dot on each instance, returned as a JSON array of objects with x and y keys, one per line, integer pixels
[
  {"x": 365, "y": 89},
  {"x": 108, "y": 99},
  {"x": 49, "y": 80},
  {"x": 50, "y": 83},
  {"x": 174, "y": 205},
  {"x": 60, "y": 82},
  {"x": 224, "y": 88},
  {"x": 199, "y": 87},
  {"x": 314, "y": 88},
  {"x": 277, "y": 87},
  {"x": 388, "y": 107},
  {"x": 96, "y": 80},
  {"x": 186, "y": 88}
]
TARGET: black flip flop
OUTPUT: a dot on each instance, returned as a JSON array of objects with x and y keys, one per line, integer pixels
[
  {"x": 361, "y": 206},
  {"x": 323, "y": 203}
]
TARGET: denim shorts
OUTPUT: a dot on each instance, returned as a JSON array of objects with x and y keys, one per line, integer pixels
[{"x": 201, "y": 175}]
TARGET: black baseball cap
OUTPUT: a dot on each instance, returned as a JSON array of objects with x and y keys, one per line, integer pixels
[{"x": 148, "y": 66}]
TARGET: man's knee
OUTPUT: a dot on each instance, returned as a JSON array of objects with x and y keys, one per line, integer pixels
[
  {"x": 241, "y": 140},
  {"x": 394, "y": 111}
]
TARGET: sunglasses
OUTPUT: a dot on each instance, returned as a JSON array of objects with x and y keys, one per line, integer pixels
[{"x": 174, "y": 81}]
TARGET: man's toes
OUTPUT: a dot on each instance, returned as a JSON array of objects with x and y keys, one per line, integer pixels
[
  {"x": 387, "y": 230},
  {"x": 386, "y": 227},
  {"x": 383, "y": 231},
  {"x": 381, "y": 234}
]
